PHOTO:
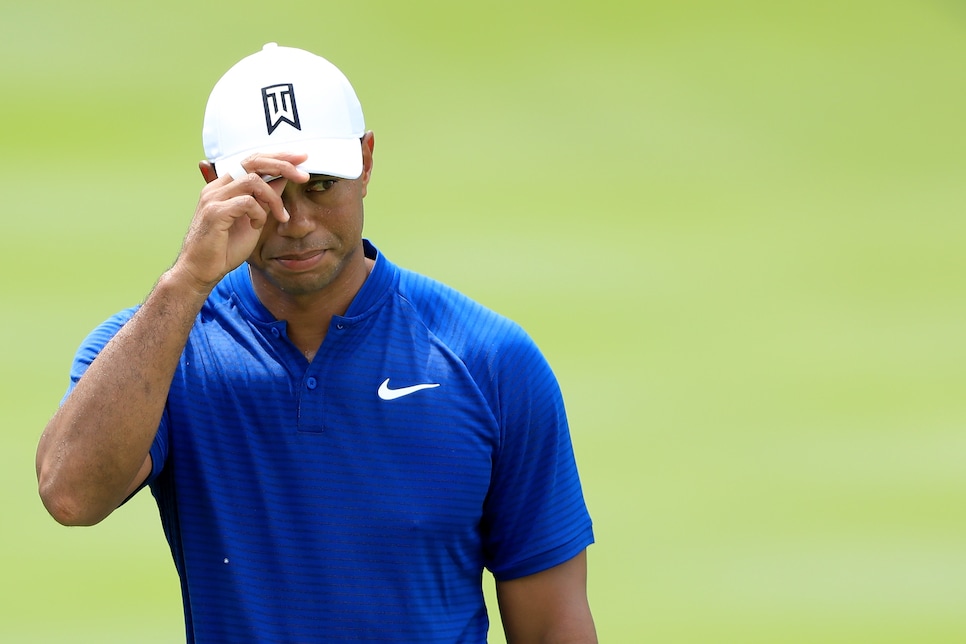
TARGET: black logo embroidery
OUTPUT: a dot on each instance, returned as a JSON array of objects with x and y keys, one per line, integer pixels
[{"x": 280, "y": 107}]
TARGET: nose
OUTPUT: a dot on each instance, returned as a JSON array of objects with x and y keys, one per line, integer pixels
[{"x": 300, "y": 221}]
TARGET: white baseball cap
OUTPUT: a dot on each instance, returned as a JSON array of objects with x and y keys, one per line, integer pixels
[{"x": 283, "y": 99}]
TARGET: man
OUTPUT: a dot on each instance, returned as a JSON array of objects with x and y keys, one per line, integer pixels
[{"x": 337, "y": 446}]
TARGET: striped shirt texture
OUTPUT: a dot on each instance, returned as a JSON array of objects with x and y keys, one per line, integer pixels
[{"x": 334, "y": 500}]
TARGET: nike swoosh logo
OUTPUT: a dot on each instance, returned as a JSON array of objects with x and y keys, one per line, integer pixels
[{"x": 391, "y": 394}]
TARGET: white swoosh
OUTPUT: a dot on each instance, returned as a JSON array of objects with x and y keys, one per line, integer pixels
[{"x": 391, "y": 394}]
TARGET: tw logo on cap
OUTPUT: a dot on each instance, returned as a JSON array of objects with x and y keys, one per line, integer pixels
[{"x": 279, "y": 101}]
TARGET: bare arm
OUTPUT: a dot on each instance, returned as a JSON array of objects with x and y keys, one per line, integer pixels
[
  {"x": 549, "y": 607},
  {"x": 94, "y": 451}
]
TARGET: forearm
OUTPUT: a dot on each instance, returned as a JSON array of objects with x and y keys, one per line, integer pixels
[{"x": 93, "y": 448}]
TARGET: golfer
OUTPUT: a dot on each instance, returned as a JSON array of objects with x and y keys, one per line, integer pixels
[{"x": 338, "y": 446}]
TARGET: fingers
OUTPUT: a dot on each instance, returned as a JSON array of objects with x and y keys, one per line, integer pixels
[
  {"x": 260, "y": 171},
  {"x": 241, "y": 208},
  {"x": 282, "y": 164},
  {"x": 251, "y": 196}
]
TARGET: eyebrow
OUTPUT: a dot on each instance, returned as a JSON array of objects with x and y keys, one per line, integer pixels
[{"x": 268, "y": 178}]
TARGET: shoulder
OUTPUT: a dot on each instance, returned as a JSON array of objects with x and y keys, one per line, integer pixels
[
  {"x": 106, "y": 330},
  {"x": 502, "y": 357},
  {"x": 97, "y": 339},
  {"x": 461, "y": 322}
]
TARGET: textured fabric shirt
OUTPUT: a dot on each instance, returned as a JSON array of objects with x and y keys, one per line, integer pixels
[{"x": 358, "y": 496}]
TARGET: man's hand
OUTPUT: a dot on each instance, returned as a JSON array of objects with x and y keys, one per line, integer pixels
[{"x": 231, "y": 214}]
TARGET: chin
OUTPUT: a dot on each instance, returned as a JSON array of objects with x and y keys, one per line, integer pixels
[{"x": 306, "y": 285}]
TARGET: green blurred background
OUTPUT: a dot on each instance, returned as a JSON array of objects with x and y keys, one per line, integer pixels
[{"x": 735, "y": 228}]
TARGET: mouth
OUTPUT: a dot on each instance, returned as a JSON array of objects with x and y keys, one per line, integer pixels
[{"x": 297, "y": 262}]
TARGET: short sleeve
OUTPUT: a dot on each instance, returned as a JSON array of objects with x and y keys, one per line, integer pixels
[{"x": 535, "y": 516}]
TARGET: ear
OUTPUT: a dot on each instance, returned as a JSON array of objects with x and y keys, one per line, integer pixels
[
  {"x": 368, "y": 145},
  {"x": 207, "y": 171}
]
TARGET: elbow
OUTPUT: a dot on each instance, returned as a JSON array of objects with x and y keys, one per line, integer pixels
[
  {"x": 62, "y": 493},
  {"x": 66, "y": 508},
  {"x": 66, "y": 511}
]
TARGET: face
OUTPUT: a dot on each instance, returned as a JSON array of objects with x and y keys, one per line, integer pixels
[{"x": 319, "y": 249}]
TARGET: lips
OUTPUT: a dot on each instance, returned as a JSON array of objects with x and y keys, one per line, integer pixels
[{"x": 300, "y": 261}]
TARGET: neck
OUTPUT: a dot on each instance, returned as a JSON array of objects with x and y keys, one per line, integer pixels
[{"x": 308, "y": 315}]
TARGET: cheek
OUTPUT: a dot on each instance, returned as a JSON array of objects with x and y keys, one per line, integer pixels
[{"x": 345, "y": 217}]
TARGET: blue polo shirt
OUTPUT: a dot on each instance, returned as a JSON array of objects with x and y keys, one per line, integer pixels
[{"x": 359, "y": 496}]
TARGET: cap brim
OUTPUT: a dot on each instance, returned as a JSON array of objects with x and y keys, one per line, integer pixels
[{"x": 333, "y": 157}]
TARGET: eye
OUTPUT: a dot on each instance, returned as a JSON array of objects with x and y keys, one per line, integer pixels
[{"x": 320, "y": 185}]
